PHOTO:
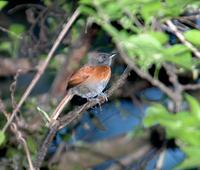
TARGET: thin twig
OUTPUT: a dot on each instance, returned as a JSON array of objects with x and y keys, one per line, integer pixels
[
  {"x": 191, "y": 87},
  {"x": 24, "y": 143},
  {"x": 42, "y": 67},
  {"x": 182, "y": 38},
  {"x": 3, "y": 109},
  {"x": 43, "y": 150},
  {"x": 10, "y": 32},
  {"x": 18, "y": 7},
  {"x": 72, "y": 115},
  {"x": 18, "y": 135},
  {"x": 13, "y": 88},
  {"x": 191, "y": 17},
  {"x": 173, "y": 78},
  {"x": 28, "y": 155},
  {"x": 189, "y": 22}
]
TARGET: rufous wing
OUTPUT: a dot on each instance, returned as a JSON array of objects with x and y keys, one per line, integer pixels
[{"x": 80, "y": 76}]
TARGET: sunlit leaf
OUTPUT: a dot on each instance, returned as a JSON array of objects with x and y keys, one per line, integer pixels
[
  {"x": 194, "y": 106},
  {"x": 193, "y": 155},
  {"x": 147, "y": 48},
  {"x": 154, "y": 113},
  {"x": 2, "y": 137},
  {"x": 3, "y": 4},
  {"x": 151, "y": 9},
  {"x": 180, "y": 55},
  {"x": 193, "y": 36},
  {"x": 17, "y": 28},
  {"x": 5, "y": 46},
  {"x": 184, "y": 60},
  {"x": 160, "y": 36}
]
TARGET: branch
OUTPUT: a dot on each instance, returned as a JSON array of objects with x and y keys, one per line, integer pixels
[
  {"x": 146, "y": 75},
  {"x": 76, "y": 53},
  {"x": 42, "y": 67},
  {"x": 43, "y": 150},
  {"x": 72, "y": 115},
  {"x": 191, "y": 87},
  {"x": 20, "y": 138},
  {"x": 10, "y": 32},
  {"x": 18, "y": 135},
  {"x": 182, "y": 38},
  {"x": 178, "y": 89}
]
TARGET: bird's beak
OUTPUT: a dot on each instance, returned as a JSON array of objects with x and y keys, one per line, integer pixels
[{"x": 113, "y": 55}]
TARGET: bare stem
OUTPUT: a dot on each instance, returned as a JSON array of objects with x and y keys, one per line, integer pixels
[
  {"x": 42, "y": 67},
  {"x": 28, "y": 155}
]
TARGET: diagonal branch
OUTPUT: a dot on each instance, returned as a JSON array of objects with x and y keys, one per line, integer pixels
[
  {"x": 42, "y": 67},
  {"x": 72, "y": 115},
  {"x": 191, "y": 86},
  {"x": 182, "y": 38},
  {"x": 178, "y": 88}
]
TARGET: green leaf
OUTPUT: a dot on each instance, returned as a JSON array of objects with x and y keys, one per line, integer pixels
[
  {"x": 6, "y": 46},
  {"x": 149, "y": 10},
  {"x": 194, "y": 106},
  {"x": 32, "y": 144},
  {"x": 176, "y": 50},
  {"x": 87, "y": 10},
  {"x": 193, "y": 36},
  {"x": 2, "y": 137},
  {"x": 127, "y": 23},
  {"x": 189, "y": 163},
  {"x": 17, "y": 29},
  {"x": 183, "y": 60},
  {"x": 47, "y": 2},
  {"x": 3, "y": 4},
  {"x": 193, "y": 155},
  {"x": 180, "y": 55},
  {"x": 160, "y": 36},
  {"x": 154, "y": 113},
  {"x": 147, "y": 48},
  {"x": 113, "y": 10},
  {"x": 192, "y": 151}
]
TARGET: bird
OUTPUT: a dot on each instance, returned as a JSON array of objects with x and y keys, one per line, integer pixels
[{"x": 89, "y": 81}]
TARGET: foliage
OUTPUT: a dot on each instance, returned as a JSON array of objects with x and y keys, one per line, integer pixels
[
  {"x": 146, "y": 46},
  {"x": 180, "y": 126},
  {"x": 2, "y": 137},
  {"x": 136, "y": 27},
  {"x": 3, "y": 4}
]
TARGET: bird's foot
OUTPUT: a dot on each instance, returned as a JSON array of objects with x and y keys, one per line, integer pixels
[{"x": 104, "y": 96}]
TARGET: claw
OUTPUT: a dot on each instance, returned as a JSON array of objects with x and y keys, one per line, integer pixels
[{"x": 104, "y": 96}]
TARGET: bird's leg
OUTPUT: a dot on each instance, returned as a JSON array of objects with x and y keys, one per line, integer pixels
[
  {"x": 97, "y": 100},
  {"x": 104, "y": 96}
]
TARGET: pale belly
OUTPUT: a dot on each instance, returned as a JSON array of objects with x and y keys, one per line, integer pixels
[{"x": 90, "y": 91}]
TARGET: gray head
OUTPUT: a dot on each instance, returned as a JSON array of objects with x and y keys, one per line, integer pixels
[{"x": 101, "y": 58}]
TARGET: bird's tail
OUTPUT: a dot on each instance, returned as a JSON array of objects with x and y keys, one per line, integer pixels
[{"x": 61, "y": 106}]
